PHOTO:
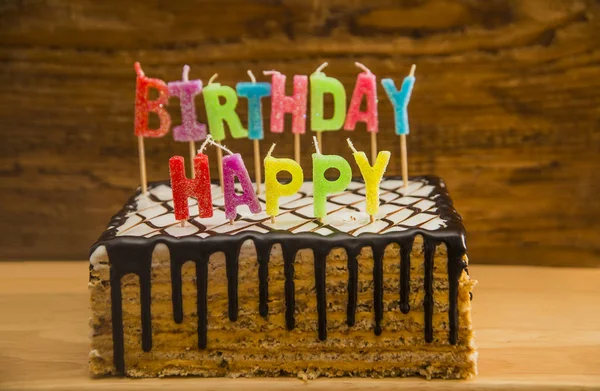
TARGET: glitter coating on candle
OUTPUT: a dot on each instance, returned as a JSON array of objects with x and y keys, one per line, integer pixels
[
  {"x": 372, "y": 176},
  {"x": 320, "y": 84},
  {"x": 186, "y": 90},
  {"x": 233, "y": 166},
  {"x": 274, "y": 189},
  {"x": 400, "y": 101},
  {"x": 144, "y": 106},
  {"x": 218, "y": 113},
  {"x": 199, "y": 187},
  {"x": 322, "y": 185},
  {"x": 254, "y": 92},
  {"x": 366, "y": 86},
  {"x": 294, "y": 104}
]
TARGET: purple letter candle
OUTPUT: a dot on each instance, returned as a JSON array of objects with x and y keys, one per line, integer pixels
[
  {"x": 233, "y": 166},
  {"x": 190, "y": 129}
]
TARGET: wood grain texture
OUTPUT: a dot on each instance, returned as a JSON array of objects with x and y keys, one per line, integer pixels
[
  {"x": 505, "y": 108},
  {"x": 531, "y": 335}
]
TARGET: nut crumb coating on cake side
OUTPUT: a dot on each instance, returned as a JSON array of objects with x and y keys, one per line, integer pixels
[{"x": 345, "y": 297}]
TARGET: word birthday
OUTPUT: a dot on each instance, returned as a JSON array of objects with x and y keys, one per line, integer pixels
[{"x": 220, "y": 103}]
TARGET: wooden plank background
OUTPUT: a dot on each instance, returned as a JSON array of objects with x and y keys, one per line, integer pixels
[{"x": 506, "y": 107}]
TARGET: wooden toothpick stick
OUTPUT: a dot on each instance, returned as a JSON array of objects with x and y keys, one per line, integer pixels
[
  {"x": 257, "y": 168},
  {"x": 192, "y": 156},
  {"x": 373, "y": 147},
  {"x": 297, "y": 147},
  {"x": 142, "y": 156},
  {"x": 320, "y": 140}
]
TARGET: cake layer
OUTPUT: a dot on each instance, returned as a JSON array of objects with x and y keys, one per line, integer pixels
[{"x": 345, "y": 297}]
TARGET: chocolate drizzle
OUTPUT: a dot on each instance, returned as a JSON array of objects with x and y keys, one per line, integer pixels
[{"x": 129, "y": 254}]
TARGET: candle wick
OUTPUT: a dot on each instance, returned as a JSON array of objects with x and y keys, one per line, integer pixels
[
  {"x": 186, "y": 72},
  {"x": 321, "y": 67},
  {"x": 251, "y": 76},
  {"x": 271, "y": 72},
  {"x": 138, "y": 69},
  {"x": 218, "y": 145},
  {"x": 363, "y": 67},
  {"x": 212, "y": 78},
  {"x": 351, "y": 145},
  {"x": 412, "y": 70},
  {"x": 316, "y": 145},
  {"x": 205, "y": 143},
  {"x": 271, "y": 150}
]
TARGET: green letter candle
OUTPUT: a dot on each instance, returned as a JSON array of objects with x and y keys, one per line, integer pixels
[
  {"x": 371, "y": 175},
  {"x": 218, "y": 113},
  {"x": 323, "y": 186},
  {"x": 320, "y": 84},
  {"x": 274, "y": 189}
]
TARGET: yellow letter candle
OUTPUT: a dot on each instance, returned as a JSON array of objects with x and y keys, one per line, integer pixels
[
  {"x": 371, "y": 175},
  {"x": 274, "y": 189},
  {"x": 323, "y": 186}
]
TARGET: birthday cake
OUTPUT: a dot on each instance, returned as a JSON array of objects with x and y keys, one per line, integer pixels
[{"x": 296, "y": 297}]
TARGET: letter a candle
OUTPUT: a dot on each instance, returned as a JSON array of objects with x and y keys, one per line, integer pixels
[
  {"x": 190, "y": 129},
  {"x": 323, "y": 186},
  {"x": 366, "y": 85},
  {"x": 233, "y": 166},
  {"x": 321, "y": 84},
  {"x": 273, "y": 189},
  {"x": 254, "y": 92},
  {"x": 372, "y": 176},
  {"x": 144, "y": 106},
  {"x": 400, "y": 101}
]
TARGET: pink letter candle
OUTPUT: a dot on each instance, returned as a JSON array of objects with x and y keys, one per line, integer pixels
[
  {"x": 366, "y": 86},
  {"x": 233, "y": 166},
  {"x": 190, "y": 129},
  {"x": 281, "y": 104},
  {"x": 198, "y": 187},
  {"x": 143, "y": 106}
]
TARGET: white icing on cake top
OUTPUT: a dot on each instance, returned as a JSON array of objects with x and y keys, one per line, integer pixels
[{"x": 400, "y": 209}]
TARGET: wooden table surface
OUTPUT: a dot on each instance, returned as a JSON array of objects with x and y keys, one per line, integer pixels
[{"x": 537, "y": 328}]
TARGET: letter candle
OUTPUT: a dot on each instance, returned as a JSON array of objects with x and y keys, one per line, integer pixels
[
  {"x": 366, "y": 85},
  {"x": 295, "y": 104},
  {"x": 323, "y": 186},
  {"x": 400, "y": 101},
  {"x": 273, "y": 189},
  {"x": 233, "y": 166},
  {"x": 372, "y": 176},
  {"x": 254, "y": 92},
  {"x": 198, "y": 187},
  {"x": 320, "y": 84},
  {"x": 143, "y": 106},
  {"x": 190, "y": 129},
  {"x": 218, "y": 113}
]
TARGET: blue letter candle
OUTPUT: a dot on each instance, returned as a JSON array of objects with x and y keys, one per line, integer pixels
[
  {"x": 400, "y": 100},
  {"x": 254, "y": 92}
]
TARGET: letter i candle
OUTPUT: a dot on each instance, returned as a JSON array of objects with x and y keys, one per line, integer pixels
[{"x": 190, "y": 129}]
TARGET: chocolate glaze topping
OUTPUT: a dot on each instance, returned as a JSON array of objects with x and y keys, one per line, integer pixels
[{"x": 133, "y": 254}]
